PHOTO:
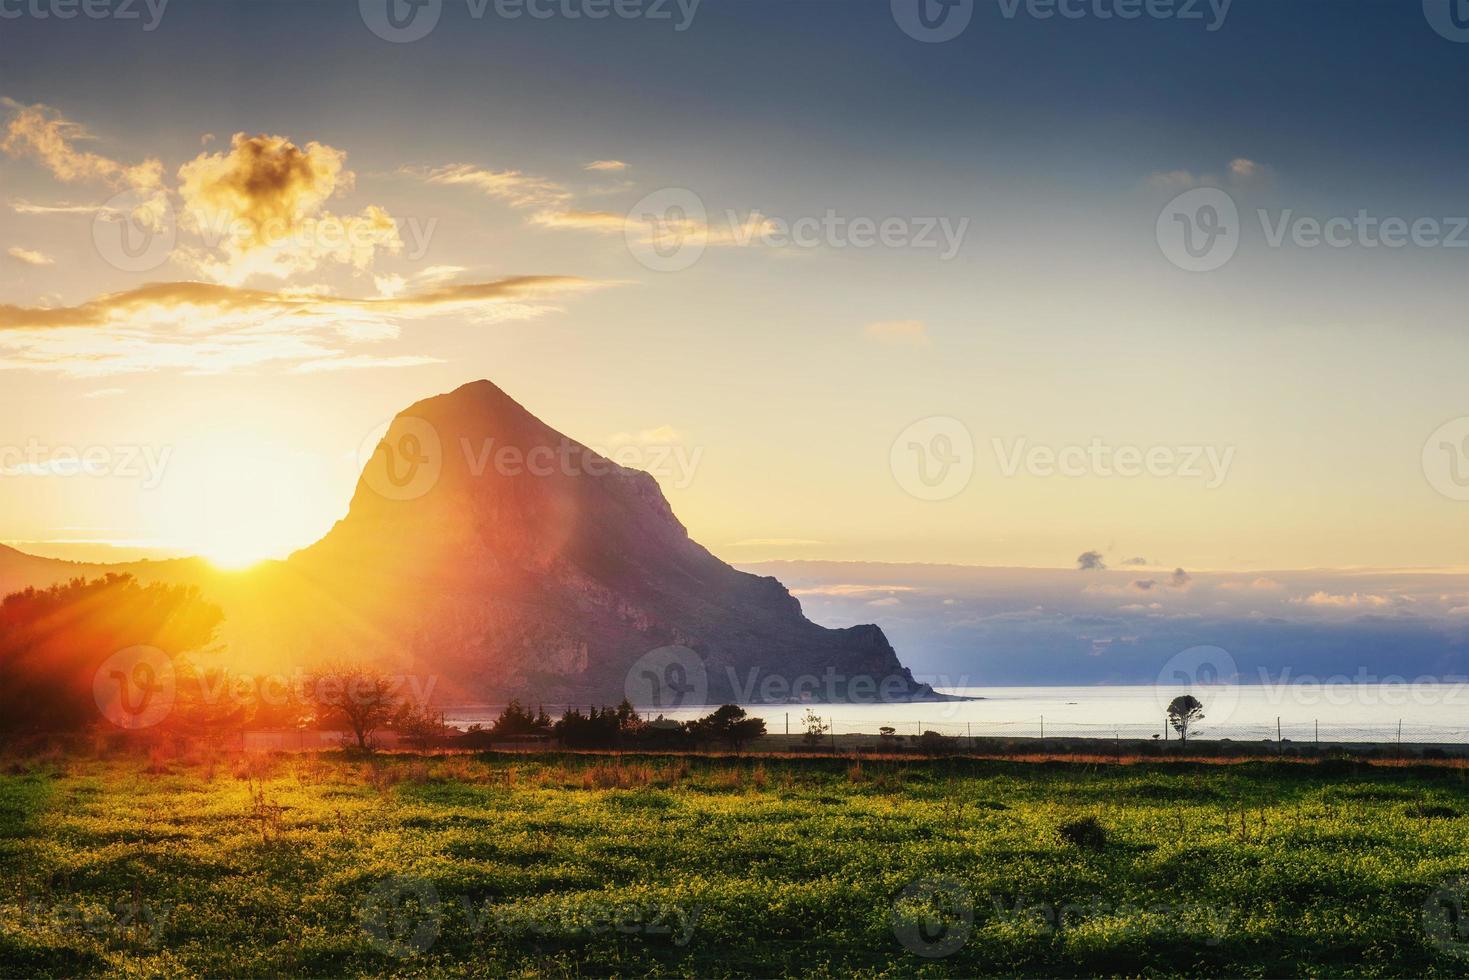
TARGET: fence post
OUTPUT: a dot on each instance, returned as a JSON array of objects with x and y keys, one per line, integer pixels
[
  {"x": 833, "y": 733},
  {"x": 1043, "y": 726},
  {"x": 970, "y": 725},
  {"x": 1279, "y": 742},
  {"x": 1318, "y": 731},
  {"x": 788, "y": 722}
]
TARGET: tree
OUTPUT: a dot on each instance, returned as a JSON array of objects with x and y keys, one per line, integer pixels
[
  {"x": 418, "y": 725},
  {"x": 1183, "y": 711},
  {"x": 815, "y": 728},
  {"x": 357, "y": 696},
  {"x": 728, "y": 723},
  {"x": 107, "y": 651},
  {"x": 517, "y": 722}
]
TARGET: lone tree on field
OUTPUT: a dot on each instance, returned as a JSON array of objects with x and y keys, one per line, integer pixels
[
  {"x": 356, "y": 696},
  {"x": 1183, "y": 711}
]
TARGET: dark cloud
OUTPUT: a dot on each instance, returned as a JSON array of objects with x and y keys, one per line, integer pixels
[
  {"x": 1180, "y": 578},
  {"x": 1090, "y": 561},
  {"x": 1135, "y": 562}
]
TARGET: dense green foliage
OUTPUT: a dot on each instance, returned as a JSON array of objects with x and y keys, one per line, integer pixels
[{"x": 587, "y": 865}]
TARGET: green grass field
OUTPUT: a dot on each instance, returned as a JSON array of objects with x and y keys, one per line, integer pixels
[{"x": 584, "y": 865}]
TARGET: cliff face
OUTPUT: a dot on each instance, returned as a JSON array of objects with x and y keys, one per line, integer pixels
[{"x": 486, "y": 548}]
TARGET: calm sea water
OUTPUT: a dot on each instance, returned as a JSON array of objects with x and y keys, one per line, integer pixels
[{"x": 1304, "y": 712}]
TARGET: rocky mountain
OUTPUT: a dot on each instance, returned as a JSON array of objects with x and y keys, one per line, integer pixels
[
  {"x": 489, "y": 552},
  {"x": 513, "y": 560}
]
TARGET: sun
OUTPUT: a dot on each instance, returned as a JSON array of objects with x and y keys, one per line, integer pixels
[
  {"x": 237, "y": 501},
  {"x": 235, "y": 559}
]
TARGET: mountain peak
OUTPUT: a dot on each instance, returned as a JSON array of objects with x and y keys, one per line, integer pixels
[{"x": 514, "y": 561}]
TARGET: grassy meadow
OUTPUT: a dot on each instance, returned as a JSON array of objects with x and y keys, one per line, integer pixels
[{"x": 326, "y": 865}]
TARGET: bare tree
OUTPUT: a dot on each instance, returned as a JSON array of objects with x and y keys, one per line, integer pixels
[
  {"x": 1183, "y": 711},
  {"x": 359, "y": 697}
]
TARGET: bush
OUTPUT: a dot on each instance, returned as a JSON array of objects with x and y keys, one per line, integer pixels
[
  {"x": 1086, "y": 832},
  {"x": 932, "y": 743}
]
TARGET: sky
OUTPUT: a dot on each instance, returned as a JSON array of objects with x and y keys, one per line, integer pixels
[{"x": 1044, "y": 288}]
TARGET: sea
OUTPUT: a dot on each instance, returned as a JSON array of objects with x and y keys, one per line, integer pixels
[{"x": 1294, "y": 712}]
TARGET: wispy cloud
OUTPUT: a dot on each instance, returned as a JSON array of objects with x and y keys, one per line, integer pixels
[
  {"x": 519, "y": 190},
  {"x": 43, "y": 134},
  {"x": 1241, "y": 172},
  {"x": 606, "y": 165},
  {"x": 201, "y": 327},
  {"x": 29, "y": 256}
]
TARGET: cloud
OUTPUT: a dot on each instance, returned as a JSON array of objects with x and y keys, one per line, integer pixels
[
  {"x": 1241, "y": 172},
  {"x": 1090, "y": 561},
  {"x": 1355, "y": 600},
  {"x": 43, "y": 134},
  {"x": 848, "y": 589},
  {"x": 605, "y": 165},
  {"x": 910, "y": 333},
  {"x": 360, "y": 362},
  {"x": 889, "y": 601},
  {"x": 1180, "y": 579},
  {"x": 30, "y": 257},
  {"x": 1134, "y": 562},
  {"x": 262, "y": 205},
  {"x": 27, "y": 207},
  {"x": 603, "y": 221},
  {"x": 1144, "y": 584},
  {"x": 515, "y": 188},
  {"x": 207, "y": 328}
]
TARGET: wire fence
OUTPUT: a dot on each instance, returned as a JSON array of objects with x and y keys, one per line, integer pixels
[{"x": 1297, "y": 730}]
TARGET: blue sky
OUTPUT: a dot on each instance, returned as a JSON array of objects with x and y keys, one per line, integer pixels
[{"x": 1055, "y": 142}]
